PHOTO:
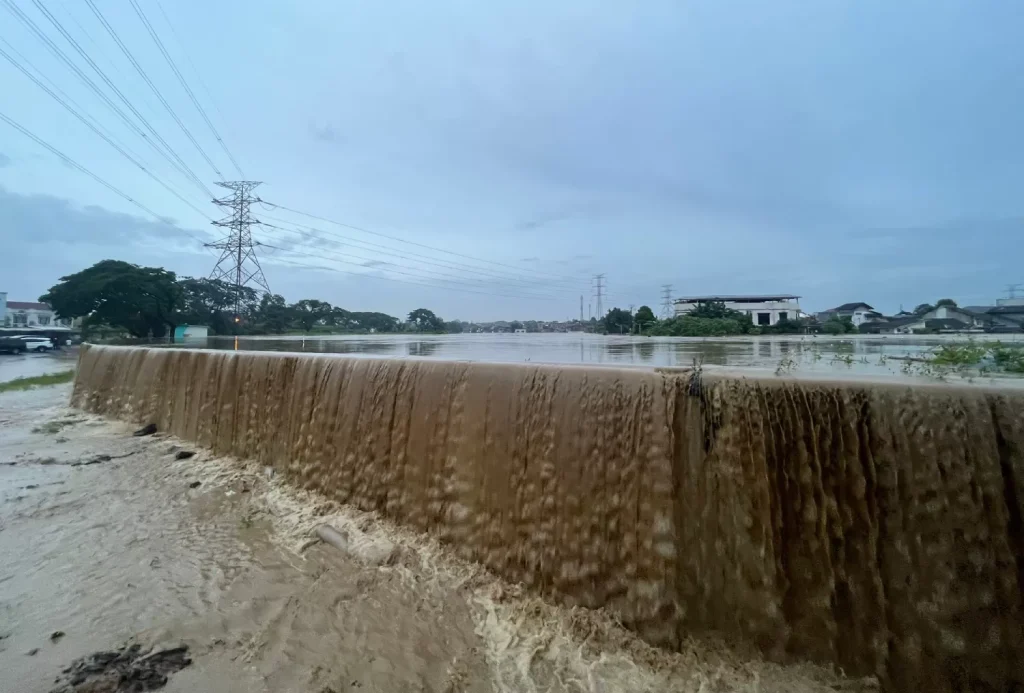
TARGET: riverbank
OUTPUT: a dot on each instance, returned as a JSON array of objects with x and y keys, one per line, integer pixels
[{"x": 109, "y": 538}]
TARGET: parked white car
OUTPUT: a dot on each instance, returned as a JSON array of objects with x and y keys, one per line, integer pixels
[{"x": 37, "y": 343}]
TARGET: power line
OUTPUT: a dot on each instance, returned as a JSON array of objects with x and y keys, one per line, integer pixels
[
  {"x": 25, "y": 61},
  {"x": 375, "y": 276},
  {"x": 92, "y": 127},
  {"x": 74, "y": 164},
  {"x": 411, "y": 256},
  {"x": 184, "y": 84},
  {"x": 84, "y": 78},
  {"x": 334, "y": 254},
  {"x": 421, "y": 245},
  {"x": 142, "y": 73}
]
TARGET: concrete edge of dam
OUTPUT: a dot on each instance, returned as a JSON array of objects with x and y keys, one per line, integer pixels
[{"x": 873, "y": 526}]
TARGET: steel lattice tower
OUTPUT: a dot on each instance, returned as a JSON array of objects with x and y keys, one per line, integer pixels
[{"x": 237, "y": 263}]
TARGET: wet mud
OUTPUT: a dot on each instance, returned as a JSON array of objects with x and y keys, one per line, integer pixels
[
  {"x": 126, "y": 670},
  {"x": 126, "y": 550}
]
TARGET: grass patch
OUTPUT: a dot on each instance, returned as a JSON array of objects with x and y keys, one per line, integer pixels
[{"x": 37, "y": 381}]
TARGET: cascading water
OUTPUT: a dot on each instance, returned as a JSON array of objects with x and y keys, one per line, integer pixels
[{"x": 874, "y": 527}]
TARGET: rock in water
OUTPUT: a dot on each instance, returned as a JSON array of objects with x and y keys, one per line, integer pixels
[
  {"x": 147, "y": 430},
  {"x": 119, "y": 671},
  {"x": 184, "y": 454}
]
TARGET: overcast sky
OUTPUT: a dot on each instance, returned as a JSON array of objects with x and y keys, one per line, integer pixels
[{"x": 843, "y": 151}]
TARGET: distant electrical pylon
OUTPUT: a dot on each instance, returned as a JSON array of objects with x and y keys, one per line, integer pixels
[
  {"x": 599, "y": 288},
  {"x": 237, "y": 264},
  {"x": 666, "y": 301},
  {"x": 1012, "y": 289}
]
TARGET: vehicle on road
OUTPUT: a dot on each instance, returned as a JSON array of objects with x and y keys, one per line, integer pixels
[
  {"x": 37, "y": 343},
  {"x": 12, "y": 345}
]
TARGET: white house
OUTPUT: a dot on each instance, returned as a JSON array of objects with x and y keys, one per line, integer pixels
[
  {"x": 763, "y": 309},
  {"x": 858, "y": 313},
  {"x": 31, "y": 314}
]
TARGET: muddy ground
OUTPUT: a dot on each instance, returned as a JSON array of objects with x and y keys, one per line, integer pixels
[{"x": 109, "y": 539}]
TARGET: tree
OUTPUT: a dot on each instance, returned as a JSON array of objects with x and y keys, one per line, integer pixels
[
  {"x": 924, "y": 308},
  {"x": 515, "y": 325},
  {"x": 644, "y": 317},
  {"x": 211, "y": 302},
  {"x": 309, "y": 312},
  {"x": 143, "y": 301},
  {"x": 945, "y": 302},
  {"x": 425, "y": 321},
  {"x": 617, "y": 321},
  {"x": 453, "y": 327},
  {"x": 273, "y": 314}
]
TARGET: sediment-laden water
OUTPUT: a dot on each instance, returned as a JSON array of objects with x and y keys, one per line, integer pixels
[{"x": 876, "y": 527}]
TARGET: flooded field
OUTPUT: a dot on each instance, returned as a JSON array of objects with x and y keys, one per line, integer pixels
[{"x": 852, "y": 355}]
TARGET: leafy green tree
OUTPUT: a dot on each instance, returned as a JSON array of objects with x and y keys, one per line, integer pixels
[
  {"x": 273, "y": 314},
  {"x": 371, "y": 321},
  {"x": 211, "y": 302},
  {"x": 945, "y": 302},
  {"x": 689, "y": 326},
  {"x": 923, "y": 308},
  {"x": 515, "y": 325},
  {"x": 644, "y": 318},
  {"x": 453, "y": 327},
  {"x": 310, "y": 312},
  {"x": 425, "y": 321},
  {"x": 617, "y": 321},
  {"x": 143, "y": 301}
]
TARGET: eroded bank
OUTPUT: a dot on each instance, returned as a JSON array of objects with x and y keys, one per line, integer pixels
[{"x": 874, "y": 527}]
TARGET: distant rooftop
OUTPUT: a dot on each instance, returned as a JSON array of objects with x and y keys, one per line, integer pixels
[
  {"x": 749, "y": 298},
  {"x": 27, "y": 305}
]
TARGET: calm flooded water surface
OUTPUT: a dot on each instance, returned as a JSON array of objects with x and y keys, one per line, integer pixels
[{"x": 856, "y": 355}]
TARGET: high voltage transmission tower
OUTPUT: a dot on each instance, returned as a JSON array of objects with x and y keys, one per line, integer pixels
[
  {"x": 599, "y": 288},
  {"x": 238, "y": 264},
  {"x": 666, "y": 301}
]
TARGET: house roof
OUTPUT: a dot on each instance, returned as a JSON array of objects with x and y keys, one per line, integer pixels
[
  {"x": 945, "y": 324},
  {"x": 27, "y": 305},
  {"x": 978, "y": 309},
  {"x": 850, "y": 307},
  {"x": 752, "y": 298}
]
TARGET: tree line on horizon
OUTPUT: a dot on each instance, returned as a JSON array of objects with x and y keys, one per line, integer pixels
[{"x": 148, "y": 302}]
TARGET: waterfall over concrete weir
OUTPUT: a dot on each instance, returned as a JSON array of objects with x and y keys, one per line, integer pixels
[{"x": 877, "y": 527}]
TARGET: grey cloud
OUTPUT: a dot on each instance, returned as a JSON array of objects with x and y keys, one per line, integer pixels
[
  {"x": 43, "y": 218},
  {"x": 374, "y": 263},
  {"x": 529, "y": 259}
]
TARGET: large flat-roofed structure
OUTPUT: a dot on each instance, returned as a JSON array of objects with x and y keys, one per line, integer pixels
[{"x": 763, "y": 309}]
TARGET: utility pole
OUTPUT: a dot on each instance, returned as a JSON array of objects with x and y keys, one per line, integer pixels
[
  {"x": 1012, "y": 289},
  {"x": 599, "y": 286},
  {"x": 666, "y": 301},
  {"x": 237, "y": 264},
  {"x": 581, "y": 309}
]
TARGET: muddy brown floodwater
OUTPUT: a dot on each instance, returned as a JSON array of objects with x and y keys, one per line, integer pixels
[{"x": 108, "y": 538}]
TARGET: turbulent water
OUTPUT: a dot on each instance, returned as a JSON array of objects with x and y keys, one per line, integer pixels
[{"x": 875, "y": 527}]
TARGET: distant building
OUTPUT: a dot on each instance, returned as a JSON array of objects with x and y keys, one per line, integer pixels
[
  {"x": 188, "y": 333},
  {"x": 941, "y": 319},
  {"x": 763, "y": 309},
  {"x": 30, "y": 314},
  {"x": 3, "y": 308},
  {"x": 858, "y": 313}
]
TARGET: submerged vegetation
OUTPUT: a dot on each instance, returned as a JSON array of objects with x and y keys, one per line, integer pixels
[{"x": 37, "y": 381}]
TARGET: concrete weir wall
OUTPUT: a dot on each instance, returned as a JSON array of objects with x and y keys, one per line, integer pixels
[{"x": 874, "y": 527}]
